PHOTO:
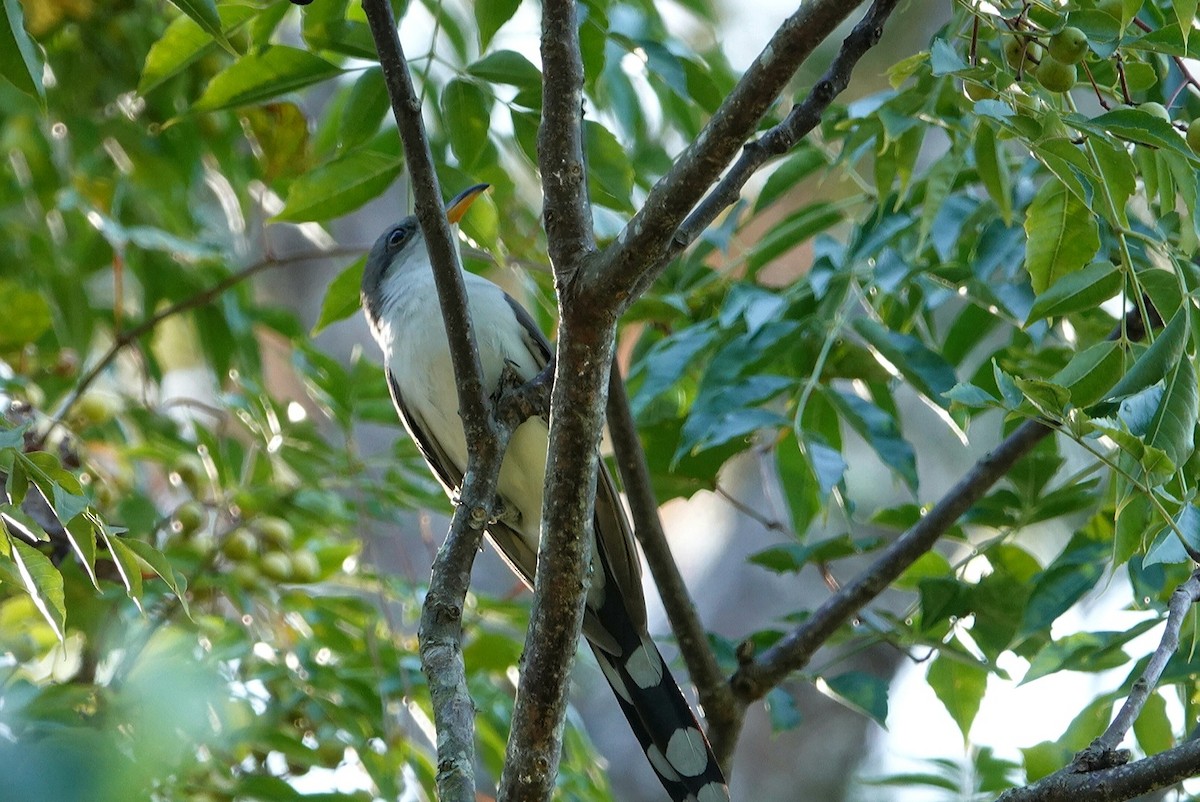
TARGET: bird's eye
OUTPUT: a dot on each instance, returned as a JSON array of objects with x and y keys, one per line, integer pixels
[{"x": 397, "y": 237}]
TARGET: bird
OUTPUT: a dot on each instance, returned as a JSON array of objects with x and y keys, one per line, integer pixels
[{"x": 401, "y": 305}]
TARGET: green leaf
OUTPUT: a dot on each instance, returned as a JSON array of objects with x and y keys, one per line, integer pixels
[
  {"x": 42, "y": 582},
  {"x": 791, "y": 232},
  {"x": 782, "y": 710},
  {"x": 959, "y": 686},
  {"x": 341, "y": 185},
  {"x": 261, "y": 76},
  {"x": 791, "y": 171},
  {"x": 881, "y": 433},
  {"x": 1134, "y": 125},
  {"x": 791, "y": 557},
  {"x": 325, "y": 27},
  {"x": 1152, "y": 727},
  {"x": 1062, "y": 235},
  {"x": 467, "y": 110},
  {"x": 365, "y": 109},
  {"x": 1073, "y": 573},
  {"x": 127, "y": 565},
  {"x": 944, "y": 58},
  {"x": 81, "y": 533},
  {"x": 610, "y": 172},
  {"x": 1075, "y": 292},
  {"x": 1185, "y": 12},
  {"x": 20, "y": 62},
  {"x": 860, "y": 692},
  {"x": 1089, "y": 374},
  {"x": 992, "y": 165},
  {"x": 1118, "y": 177},
  {"x": 26, "y": 315},
  {"x": 1152, "y": 365},
  {"x": 342, "y": 299},
  {"x": 924, "y": 369},
  {"x": 176, "y": 581},
  {"x": 489, "y": 16},
  {"x": 204, "y": 13},
  {"x": 1173, "y": 427},
  {"x": 508, "y": 67}
]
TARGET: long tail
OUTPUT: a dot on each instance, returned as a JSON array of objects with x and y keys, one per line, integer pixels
[{"x": 660, "y": 717}]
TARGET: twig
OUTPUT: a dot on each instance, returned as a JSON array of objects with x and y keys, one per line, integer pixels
[
  {"x": 639, "y": 251},
  {"x": 128, "y": 336},
  {"x": 751, "y": 513},
  {"x": 802, "y": 119},
  {"x": 755, "y": 677},
  {"x": 1181, "y": 602},
  {"x": 721, "y": 710}
]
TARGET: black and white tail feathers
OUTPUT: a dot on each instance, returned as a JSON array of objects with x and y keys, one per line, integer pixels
[{"x": 660, "y": 717}]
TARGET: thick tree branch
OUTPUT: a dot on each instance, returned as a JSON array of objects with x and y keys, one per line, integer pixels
[
  {"x": 722, "y": 712},
  {"x": 441, "y": 616},
  {"x": 1117, "y": 783},
  {"x": 641, "y": 247},
  {"x": 585, "y": 349},
  {"x": 567, "y": 212},
  {"x": 802, "y": 119},
  {"x": 792, "y": 652},
  {"x": 586, "y": 340}
]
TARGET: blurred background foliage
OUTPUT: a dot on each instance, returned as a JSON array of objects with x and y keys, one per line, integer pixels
[{"x": 185, "y": 607}]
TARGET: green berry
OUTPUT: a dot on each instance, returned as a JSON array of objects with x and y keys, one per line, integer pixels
[
  {"x": 276, "y": 565},
  {"x": 1022, "y": 53},
  {"x": 189, "y": 517},
  {"x": 95, "y": 408},
  {"x": 1056, "y": 76},
  {"x": 275, "y": 531},
  {"x": 188, "y": 471},
  {"x": 1193, "y": 135},
  {"x": 1069, "y": 45},
  {"x": 1157, "y": 110},
  {"x": 239, "y": 545},
  {"x": 305, "y": 567}
]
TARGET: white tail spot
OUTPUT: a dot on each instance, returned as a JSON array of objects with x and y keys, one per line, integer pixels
[
  {"x": 713, "y": 792},
  {"x": 687, "y": 751},
  {"x": 645, "y": 666},
  {"x": 660, "y": 763}
]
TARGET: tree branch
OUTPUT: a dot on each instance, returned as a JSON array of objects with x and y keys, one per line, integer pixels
[
  {"x": 722, "y": 712},
  {"x": 567, "y": 212},
  {"x": 128, "y": 336},
  {"x": 586, "y": 340},
  {"x": 1104, "y": 748},
  {"x": 1117, "y": 783},
  {"x": 802, "y": 119},
  {"x": 755, "y": 678},
  {"x": 585, "y": 350},
  {"x": 641, "y": 247},
  {"x": 440, "y": 633}
]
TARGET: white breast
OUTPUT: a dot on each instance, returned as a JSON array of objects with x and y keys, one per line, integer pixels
[{"x": 412, "y": 335}]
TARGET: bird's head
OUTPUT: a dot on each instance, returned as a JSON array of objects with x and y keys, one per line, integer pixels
[{"x": 402, "y": 246}]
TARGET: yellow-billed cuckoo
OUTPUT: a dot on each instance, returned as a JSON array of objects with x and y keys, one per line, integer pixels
[{"x": 401, "y": 304}]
